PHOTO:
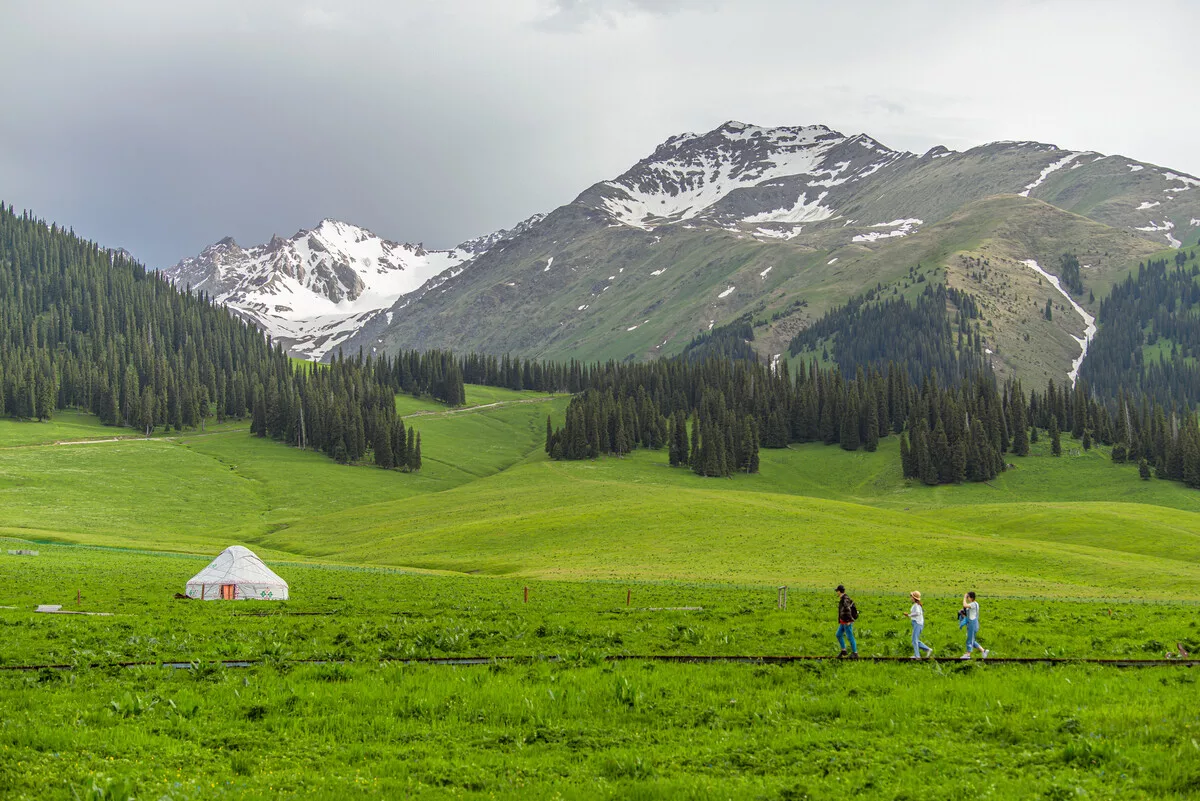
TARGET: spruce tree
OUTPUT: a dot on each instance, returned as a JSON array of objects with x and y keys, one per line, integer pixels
[
  {"x": 906, "y": 461},
  {"x": 382, "y": 444},
  {"x": 1055, "y": 438},
  {"x": 872, "y": 427},
  {"x": 1020, "y": 443},
  {"x": 849, "y": 436}
]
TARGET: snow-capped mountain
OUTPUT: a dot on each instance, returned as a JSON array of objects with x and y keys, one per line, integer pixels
[
  {"x": 775, "y": 223},
  {"x": 317, "y": 288},
  {"x": 708, "y": 176},
  {"x": 312, "y": 290},
  {"x": 779, "y": 183},
  {"x": 778, "y": 224}
]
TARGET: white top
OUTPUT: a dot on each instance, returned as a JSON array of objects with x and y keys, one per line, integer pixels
[
  {"x": 972, "y": 610},
  {"x": 239, "y": 568},
  {"x": 917, "y": 613}
]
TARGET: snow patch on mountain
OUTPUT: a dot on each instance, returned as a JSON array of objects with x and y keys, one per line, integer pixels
[
  {"x": 799, "y": 212},
  {"x": 900, "y": 228},
  {"x": 1187, "y": 181},
  {"x": 1147, "y": 204},
  {"x": 1058, "y": 165},
  {"x": 1089, "y": 322}
]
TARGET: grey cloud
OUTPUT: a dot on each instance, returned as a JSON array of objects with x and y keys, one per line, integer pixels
[
  {"x": 162, "y": 127},
  {"x": 572, "y": 15}
]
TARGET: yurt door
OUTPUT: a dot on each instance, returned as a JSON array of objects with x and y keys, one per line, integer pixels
[{"x": 227, "y": 592}]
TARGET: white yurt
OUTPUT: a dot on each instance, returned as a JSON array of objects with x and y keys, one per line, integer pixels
[{"x": 237, "y": 575}]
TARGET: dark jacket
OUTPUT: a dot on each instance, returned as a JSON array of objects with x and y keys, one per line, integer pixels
[{"x": 844, "y": 606}]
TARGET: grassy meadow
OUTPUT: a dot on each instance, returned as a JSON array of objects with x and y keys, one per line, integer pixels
[{"x": 1073, "y": 557}]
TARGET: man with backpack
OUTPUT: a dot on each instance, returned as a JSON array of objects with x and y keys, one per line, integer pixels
[{"x": 847, "y": 614}]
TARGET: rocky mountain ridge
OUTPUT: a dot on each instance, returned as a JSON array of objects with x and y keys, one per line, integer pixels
[{"x": 782, "y": 222}]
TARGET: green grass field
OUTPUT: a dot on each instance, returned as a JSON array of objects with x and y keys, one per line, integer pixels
[{"x": 1073, "y": 557}]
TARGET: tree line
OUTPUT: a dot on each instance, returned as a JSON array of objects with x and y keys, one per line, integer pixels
[
  {"x": 1156, "y": 309},
  {"x": 86, "y": 328},
  {"x": 920, "y": 337}
]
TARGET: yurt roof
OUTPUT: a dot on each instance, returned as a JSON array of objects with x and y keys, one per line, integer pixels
[{"x": 237, "y": 565}]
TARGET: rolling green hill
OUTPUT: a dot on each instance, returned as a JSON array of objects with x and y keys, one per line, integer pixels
[{"x": 489, "y": 502}]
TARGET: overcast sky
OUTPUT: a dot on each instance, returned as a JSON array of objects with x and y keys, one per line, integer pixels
[{"x": 163, "y": 126}]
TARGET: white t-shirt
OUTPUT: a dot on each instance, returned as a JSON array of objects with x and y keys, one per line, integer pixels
[
  {"x": 917, "y": 613},
  {"x": 973, "y": 610}
]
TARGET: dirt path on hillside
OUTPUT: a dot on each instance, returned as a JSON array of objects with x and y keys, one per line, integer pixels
[
  {"x": 481, "y": 407},
  {"x": 129, "y": 438}
]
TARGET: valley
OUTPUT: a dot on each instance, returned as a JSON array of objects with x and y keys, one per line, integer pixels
[{"x": 619, "y": 557}]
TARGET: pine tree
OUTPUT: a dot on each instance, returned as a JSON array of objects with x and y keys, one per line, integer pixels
[
  {"x": 694, "y": 454},
  {"x": 549, "y": 434},
  {"x": 1020, "y": 443},
  {"x": 1144, "y": 469},
  {"x": 871, "y": 443},
  {"x": 849, "y": 436},
  {"x": 939, "y": 451},
  {"x": 1055, "y": 438},
  {"x": 906, "y": 460},
  {"x": 382, "y": 444}
]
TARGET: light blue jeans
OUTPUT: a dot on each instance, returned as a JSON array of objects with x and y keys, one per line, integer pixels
[
  {"x": 917, "y": 644},
  {"x": 846, "y": 631},
  {"x": 972, "y": 630}
]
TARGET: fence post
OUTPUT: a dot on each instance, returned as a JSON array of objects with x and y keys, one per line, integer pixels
[
  {"x": 781, "y": 598},
  {"x": 628, "y": 596},
  {"x": 78, "y": 598},
  {"x": 526, "y": 595}
]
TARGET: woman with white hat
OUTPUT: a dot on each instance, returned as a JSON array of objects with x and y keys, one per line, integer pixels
[{"x": 917, "y": 615}]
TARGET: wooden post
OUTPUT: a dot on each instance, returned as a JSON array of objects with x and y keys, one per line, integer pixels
[
  {"x": 526, "y": 595},
  {"x": 78, "y": 598},
  {"x": 628, "y": 596},
  {"x": 781, "y": 598}
]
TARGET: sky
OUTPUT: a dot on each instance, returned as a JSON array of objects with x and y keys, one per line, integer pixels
[{"x": 162, "y": 127}]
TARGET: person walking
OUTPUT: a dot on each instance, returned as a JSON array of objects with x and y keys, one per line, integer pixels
[
  {"x": 917, "y": 615},
  {"x": 847, "y": 614},
  {"x": 971, "y": 616}
]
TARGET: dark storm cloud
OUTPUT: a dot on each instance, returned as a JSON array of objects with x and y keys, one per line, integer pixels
[{"x": 163, "y": 126}]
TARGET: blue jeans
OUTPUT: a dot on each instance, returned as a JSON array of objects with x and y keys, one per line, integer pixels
[
  {"x": 846, "y": 631},
  {"x": 972, "y": 630},
  {"x": 917, "y": 644}
]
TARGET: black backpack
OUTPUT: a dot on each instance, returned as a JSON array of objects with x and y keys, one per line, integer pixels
[{"x": 851, "y": 609}]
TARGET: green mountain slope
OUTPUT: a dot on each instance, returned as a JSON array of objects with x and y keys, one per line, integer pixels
[{"x": 781, "y": 225}]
